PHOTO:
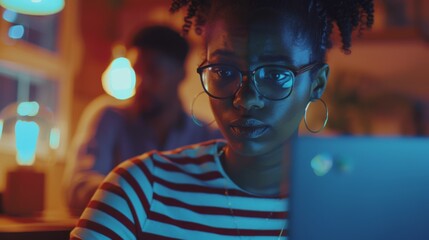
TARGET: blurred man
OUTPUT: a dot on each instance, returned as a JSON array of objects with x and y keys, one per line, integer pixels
[{"x": 154, "y": 120}]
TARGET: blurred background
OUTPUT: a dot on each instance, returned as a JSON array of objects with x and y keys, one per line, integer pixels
[{"x": 55, "y": 63}]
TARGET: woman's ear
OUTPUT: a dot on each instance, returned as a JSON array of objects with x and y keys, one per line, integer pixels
[{"x": 318, "y": 85}]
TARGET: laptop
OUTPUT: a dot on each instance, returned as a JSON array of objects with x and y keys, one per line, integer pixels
[{"x": 359, "y": 188}]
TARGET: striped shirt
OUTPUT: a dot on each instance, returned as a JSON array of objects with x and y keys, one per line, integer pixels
[{"x": 179, "y": 194}]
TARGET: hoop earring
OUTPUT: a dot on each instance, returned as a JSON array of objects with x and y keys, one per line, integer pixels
[
  {"x": 326, "y": 116},
  {"x": 194, "y": 119}
]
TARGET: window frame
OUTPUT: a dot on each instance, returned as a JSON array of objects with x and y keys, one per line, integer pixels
[{"x": 60, "y": 66}]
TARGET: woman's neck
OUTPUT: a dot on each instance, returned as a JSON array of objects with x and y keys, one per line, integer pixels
[{"x": 265, "y": 174}]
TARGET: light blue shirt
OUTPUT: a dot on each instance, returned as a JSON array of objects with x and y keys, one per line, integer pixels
[{"x": 115, "y": 137}]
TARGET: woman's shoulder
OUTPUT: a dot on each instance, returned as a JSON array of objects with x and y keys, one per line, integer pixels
[
  {"x": 195, "y": 151},
  {"x": 194, "y": 158}
]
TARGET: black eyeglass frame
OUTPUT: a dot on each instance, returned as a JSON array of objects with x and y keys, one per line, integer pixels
[{"x": 252, "y": 73}]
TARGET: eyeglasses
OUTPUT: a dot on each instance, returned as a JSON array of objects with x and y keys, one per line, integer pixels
[{"x": 274, "y": 82}]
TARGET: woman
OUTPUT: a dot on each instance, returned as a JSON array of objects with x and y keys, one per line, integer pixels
[{"x": 264, "y": 64}]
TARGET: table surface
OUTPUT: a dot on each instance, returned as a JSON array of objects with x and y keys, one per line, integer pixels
[
  {"x": 45, "y": 222},
  {"x": 51, "y": 225}
]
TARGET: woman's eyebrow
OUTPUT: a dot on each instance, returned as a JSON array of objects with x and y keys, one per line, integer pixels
[
  {"x": 274, "y": 58},
  {"x": 223, "y": 53}
]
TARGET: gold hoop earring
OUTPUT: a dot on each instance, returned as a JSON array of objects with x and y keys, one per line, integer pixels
[
  {"x": 326, "y": 116},
  {"x": 194, "y": 119}
]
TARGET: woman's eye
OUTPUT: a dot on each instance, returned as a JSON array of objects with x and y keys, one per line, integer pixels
[
  {"x": 276, "y": 77},
  {"x": 284, "y": 80},
  {"x": 223, "y": 73}
]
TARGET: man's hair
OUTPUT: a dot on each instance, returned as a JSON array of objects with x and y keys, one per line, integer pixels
[{"x": 162, "y": 39}]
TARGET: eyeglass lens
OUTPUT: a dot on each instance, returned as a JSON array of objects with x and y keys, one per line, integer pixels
[{"x": 223, "y": 81}]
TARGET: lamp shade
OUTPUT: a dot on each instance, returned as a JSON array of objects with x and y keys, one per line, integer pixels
[{"x": 33, "y": 7}]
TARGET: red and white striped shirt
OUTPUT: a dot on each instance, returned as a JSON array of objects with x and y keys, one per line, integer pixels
[{"x": 179, "y": 194}]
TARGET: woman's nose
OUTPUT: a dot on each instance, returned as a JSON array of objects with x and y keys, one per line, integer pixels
[{"x": 247, "y": 97}]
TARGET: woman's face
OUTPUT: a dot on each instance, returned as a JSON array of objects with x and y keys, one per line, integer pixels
[{"x": 252, "y": 124}]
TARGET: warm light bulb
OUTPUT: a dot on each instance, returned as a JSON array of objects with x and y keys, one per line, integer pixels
[
  {"x": 26, "y": 136},
  {"x": 119, "y": 79},
  {"x": 54, "y": 138},
  {"x": 1, "y": 127},
  {"x": 33, "y": 7},
  {"x": 30, "y": 109}
]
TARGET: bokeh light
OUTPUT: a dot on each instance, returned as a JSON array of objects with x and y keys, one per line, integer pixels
[
  {"x": 33, "y": 7},
  {"x": 30, "y": 109},
  {"x": 16, "y": 32},
  {"x": 119, "y": 79},
  {"x": 26, "y": 136}
]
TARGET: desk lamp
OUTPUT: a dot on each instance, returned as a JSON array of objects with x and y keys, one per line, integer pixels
[{"x": 25, "y": 185}]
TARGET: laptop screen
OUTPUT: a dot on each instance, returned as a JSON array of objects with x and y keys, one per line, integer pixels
[{"x": 369, "y": 188}]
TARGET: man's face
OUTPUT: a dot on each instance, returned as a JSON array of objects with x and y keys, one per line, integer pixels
[{"x": 158, "y": 78}]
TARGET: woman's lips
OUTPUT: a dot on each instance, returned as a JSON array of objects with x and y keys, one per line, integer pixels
[{"x": 248, "y": 128}]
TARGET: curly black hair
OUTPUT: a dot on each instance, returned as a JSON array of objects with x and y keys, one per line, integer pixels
[{"x": 321, "y": 16}]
